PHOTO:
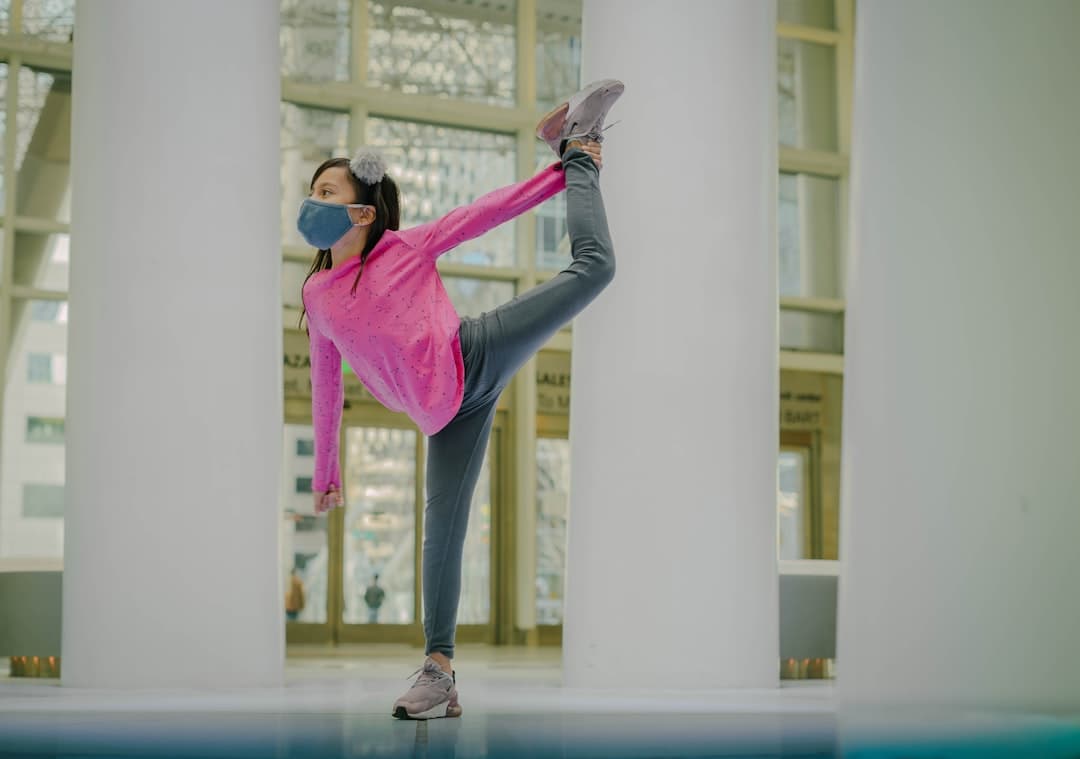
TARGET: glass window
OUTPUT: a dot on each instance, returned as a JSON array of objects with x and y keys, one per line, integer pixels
[
  {"x": 304, "y": 535},
  {"x": 552, "y": 499},
  {"x": 806, "y": 81},
  {"x": 42, "y": 501},
  {"x": 315, "y": 39},
  {"x": 5, "y": 17},
  {"x": 45, "y": 101},
  {"x": 32, "y": 451},
  {"x": 454, "y": 49},
  {"x": 48, "y": 311},
  {"x": 816, "y": 332},
  {"x": 558, "y": 51},
  {"x": 472, "y": 297},
  {"x": 309, "y": 136},
  {"x": 819, "y": 13},
  {"x": 41, "y": 260},
  {"x": 303, "y": 484},
  {"x": 39, "y": 367},
  {"x": 552, "y": 241},
  {"x": 305, "y": 447},
  {"x": 52, "y": 20},
  {"x": 40, "y": 429},
  {"x": 793, "y": 519},
  {"x": 809, "y": 236},
  {"x": 293, "y": 275},
  {"x": 380, "y": 525},
  {"x": 438, "y": 169}
]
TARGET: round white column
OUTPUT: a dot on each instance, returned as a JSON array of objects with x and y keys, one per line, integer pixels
[
  {"x": 671, "y": 558},
  {"x": 960, "y": 505},
  {"x": 174, "y": 417}
]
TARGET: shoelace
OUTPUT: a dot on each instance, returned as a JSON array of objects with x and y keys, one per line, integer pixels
[
  {"x": 431, "y": 674},
  {"x": 598, "y": 136}
]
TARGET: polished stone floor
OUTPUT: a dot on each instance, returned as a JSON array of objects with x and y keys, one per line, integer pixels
[{"x": 515, "y": 706}]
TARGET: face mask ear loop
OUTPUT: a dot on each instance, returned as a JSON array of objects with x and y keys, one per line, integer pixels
[{"x": 360, "y": 205}]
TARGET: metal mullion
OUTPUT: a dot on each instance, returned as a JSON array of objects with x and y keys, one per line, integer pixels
[
  {"x": 22, "y": 292},
  {"x": 811, "y": 304},
  {"x": 358, "y": 57},
  {"x": 810, "y": 361},
  {"x": 358, "y": 117},
  {"x": 521, "y": 562},
  {"x": 490, "y": 273},
  {"x": 845, "y": 16},
  {"x": 418, "y": 532},
  {"x": 803, "y": 33},
  {"x": 291, "y": 255},
  {"x": 41, "y": 225},
  {"x": 818, "y": 162},
  {"x": 7, "y": 268},
  {"x": 55, "y": 56},
  {"x": 408, "y": 107}
]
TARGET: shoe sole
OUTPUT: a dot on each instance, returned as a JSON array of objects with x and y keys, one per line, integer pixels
[{"x": 439, "y": 710}]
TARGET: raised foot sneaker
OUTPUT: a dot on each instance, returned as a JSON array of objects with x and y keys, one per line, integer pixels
[
  {"x": 434, "y": 694},
  {"x": 582, "y": 116}
]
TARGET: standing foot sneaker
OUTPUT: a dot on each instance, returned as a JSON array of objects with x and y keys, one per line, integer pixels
[
  {"x": 582, "y": 116},
  {"x": 434, "y": 694}
]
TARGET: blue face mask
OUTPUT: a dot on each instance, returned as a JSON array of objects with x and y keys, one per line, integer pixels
[{"x": 322, "y": 224}]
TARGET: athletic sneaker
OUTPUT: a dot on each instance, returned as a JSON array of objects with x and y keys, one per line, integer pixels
[
  {"x": 434, "y": 694},
  {"x": 580, "y": 117}
]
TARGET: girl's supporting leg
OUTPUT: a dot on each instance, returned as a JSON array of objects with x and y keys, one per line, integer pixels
[
  {"x": 495, "y": 345},
  {"x": 454, "y": 459}
]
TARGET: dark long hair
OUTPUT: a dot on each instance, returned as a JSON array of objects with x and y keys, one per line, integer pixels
[{"x": 383, "y": 195}]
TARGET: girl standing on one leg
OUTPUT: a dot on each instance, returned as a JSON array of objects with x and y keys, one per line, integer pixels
[{"x": 374, "y": 296}]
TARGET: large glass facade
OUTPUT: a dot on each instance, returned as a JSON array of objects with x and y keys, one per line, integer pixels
[
  {"x": 434, "y": 86},
  {"x": 814, "y": 94}
]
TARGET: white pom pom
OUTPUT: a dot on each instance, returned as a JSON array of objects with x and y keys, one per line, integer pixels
[{"x": 368, "y": 166}]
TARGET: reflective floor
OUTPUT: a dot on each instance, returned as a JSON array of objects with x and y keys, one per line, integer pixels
[{"x": 514, "y": 706}]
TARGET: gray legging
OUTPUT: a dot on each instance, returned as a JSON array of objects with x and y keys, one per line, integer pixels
[{"x": 494, "y": 346}]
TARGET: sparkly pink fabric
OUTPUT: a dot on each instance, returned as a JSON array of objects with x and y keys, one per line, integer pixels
[{"x": 399, "y": 333}]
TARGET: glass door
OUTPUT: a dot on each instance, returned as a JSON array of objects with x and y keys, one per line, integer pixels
[
  {"x": 354, "y": 574},
  {"x": 379, "y": 536}
]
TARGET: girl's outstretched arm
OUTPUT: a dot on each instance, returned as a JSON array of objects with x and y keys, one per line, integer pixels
[
  {"x": 486, "y": 212},
  {"x": 327, "y": 398}
]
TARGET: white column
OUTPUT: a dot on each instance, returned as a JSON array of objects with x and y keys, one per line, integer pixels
[
  {"x": 671, "y": 561},
  {"x": 960, "y": 506},
  {"x": 174, "y": 427}
]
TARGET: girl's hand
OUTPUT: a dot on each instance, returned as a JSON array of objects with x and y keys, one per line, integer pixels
[
  {"x": 593, "y": 149},
  {"x": 330, "y": 499}
]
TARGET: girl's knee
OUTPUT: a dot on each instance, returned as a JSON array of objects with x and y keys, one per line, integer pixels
[{"x": 605, "y": 265}]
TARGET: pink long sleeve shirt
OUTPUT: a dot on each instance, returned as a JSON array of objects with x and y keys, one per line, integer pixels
[{"x": 399, "y": 333}]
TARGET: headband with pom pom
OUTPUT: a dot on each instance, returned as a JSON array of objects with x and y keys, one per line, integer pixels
[{"x": 368, "y": 166}]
